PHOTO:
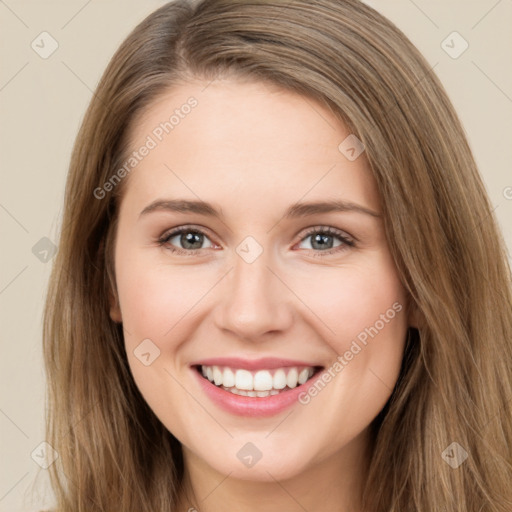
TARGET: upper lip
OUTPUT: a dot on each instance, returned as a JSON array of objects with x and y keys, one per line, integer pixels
[{"x": 264, "y": 363}]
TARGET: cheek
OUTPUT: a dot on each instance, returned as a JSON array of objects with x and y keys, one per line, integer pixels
[
  {"x": 157, "y": 306},
  {"x": 364, "y": 310},
  {"x": 360, "y": 312},
  {"x": 155, "y": 297},
  {"x": 354, "y": 300}
]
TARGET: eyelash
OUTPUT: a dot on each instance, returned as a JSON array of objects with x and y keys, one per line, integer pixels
[{"x": 346, "y": 240}]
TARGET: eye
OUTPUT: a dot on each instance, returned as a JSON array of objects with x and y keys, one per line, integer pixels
[
  {"x": 190, "y": 238},
  {"x": 323, "y": 240}
]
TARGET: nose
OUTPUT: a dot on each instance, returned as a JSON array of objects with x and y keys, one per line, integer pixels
[{"x": 255, "y": 301}]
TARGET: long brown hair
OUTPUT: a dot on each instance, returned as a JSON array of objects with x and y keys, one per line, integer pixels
[{"x": 455, "y": 385}]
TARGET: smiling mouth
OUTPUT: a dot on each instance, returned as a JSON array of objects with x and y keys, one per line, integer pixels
[{"x": 261, "y": 383}]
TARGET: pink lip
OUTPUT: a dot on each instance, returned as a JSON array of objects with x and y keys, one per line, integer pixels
[
  {"x": 265, "y": 363},
  {"x": 252, "y": 406}
]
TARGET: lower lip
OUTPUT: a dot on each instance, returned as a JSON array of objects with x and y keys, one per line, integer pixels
[{"x": 252, "y": 406}]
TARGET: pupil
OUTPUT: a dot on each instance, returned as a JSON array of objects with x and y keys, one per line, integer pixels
[
  {"x": 322, "y": 240},
  {"x": 191, "y": 238}
]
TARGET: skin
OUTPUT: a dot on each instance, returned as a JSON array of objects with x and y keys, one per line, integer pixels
[{"x": 253, "y": 150}]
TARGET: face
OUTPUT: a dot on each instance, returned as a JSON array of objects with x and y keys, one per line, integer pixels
[{"x": 296, "y": 314}]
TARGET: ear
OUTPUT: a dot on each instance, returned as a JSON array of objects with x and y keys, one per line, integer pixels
[{"x": 115, "y": 310}]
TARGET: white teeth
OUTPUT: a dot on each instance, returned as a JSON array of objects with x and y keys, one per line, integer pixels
[
  {"x": 217, "y": 376},
  {"x": 292, "y": 378},
  {"x": 279, "y": 379},
  {"x": 260, "y": 394},
  {"x": 303, "y": 376},
  {"x": 261, "y": 383},
  {"x": 243, "y": 380},
  {"x": 228, "y": 378}
]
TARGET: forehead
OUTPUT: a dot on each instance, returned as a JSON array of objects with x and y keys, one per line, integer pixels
[{"x": 230, "y": 141}]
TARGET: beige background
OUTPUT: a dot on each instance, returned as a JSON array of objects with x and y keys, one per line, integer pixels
[{"x": 42, "y": 102}]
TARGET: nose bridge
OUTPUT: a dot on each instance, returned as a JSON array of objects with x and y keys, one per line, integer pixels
[
  {"x": 251, "y": 278},
  {"x": 254, "y": 300}
]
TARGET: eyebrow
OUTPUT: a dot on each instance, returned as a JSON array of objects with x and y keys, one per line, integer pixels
[{"x": 294, "y": 211}]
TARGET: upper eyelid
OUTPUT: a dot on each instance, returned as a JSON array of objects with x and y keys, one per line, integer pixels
[{"x": 328, "y": 229}]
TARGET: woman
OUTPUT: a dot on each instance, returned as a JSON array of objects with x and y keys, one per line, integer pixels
[{"x": 253, "y": 373}]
